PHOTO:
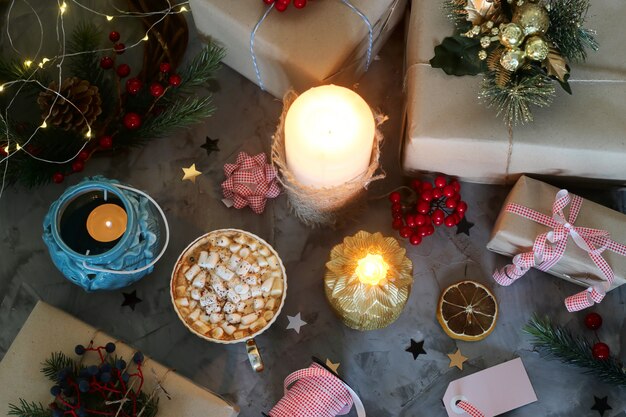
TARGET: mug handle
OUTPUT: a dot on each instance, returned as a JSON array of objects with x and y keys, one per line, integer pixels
[{"x": 254, "y": 356}]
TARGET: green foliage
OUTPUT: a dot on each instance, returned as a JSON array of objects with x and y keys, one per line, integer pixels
[
  {"x": 566, "y": 30},
  {"x": 202, "y": 67},
  {"x": 458, "y": 55},
  {"x": 514, "y": 99},
  {"x": 85, "y": 39},
  {"x": 179, "y": 114},
  {"x": 26, "y": 409},
  {"x": 559, "y": 342},
  {"x": 54, "y": 364}
]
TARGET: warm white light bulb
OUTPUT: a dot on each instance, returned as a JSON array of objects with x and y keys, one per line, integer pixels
[
  {"x": 145, "y": 38},
  {"x": 109, "y": 18},
  {"x": 63, "y": 7},
  {"x": 28, "y": 63},
  {"x": 1, "y": 88},
  {"x": 182, "y": 9},
  {"x": 44, "y": 125}
]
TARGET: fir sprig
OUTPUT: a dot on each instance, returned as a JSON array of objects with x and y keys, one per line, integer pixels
[
  {"x": 566, "y": 30},
  {"x": 179, "y": 114},
  {"x": 55, "y": 363},
  {"x": 26, "y": 409},
  {"x": 514, "y": 99},
  {"x": 203, "y": 67},
  {"x": 559, "y": 342}
]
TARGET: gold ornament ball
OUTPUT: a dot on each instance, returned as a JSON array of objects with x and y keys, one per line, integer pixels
[
  {"x": 511, "y": 35},
  {"x": 532, "y": 17},
  {"x": 536, "y": 48},
  {"x": 512, "y": 59}
]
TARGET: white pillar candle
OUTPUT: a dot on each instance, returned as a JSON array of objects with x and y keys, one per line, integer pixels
[{"x": 329, "y": 136}]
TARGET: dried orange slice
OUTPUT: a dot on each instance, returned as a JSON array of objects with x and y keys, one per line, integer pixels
[{"x": 467, "y": 311}]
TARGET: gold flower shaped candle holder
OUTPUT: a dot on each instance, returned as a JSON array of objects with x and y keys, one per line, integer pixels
[{"x": 368, "y": 280}]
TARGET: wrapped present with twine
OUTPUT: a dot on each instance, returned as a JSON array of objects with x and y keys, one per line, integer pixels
[
  {"x": 564, "y": 235},
  {"x": 330, "y": 41}
]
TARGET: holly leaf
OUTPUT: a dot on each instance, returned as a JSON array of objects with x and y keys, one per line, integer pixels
[
  {"x": 556, "y": 67},
  {"x": 458, "y": 55}
]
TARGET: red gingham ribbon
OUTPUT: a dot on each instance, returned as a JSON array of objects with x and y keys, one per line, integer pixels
[
  {"x": 469, "y": 409},
  {"x": 315, "y": 393},
  {"x": 549, "y": 247},
  {"x": 250, "y": 182}
]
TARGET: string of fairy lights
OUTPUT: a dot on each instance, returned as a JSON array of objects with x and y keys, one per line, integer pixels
[{"x": 41, "y": 62}]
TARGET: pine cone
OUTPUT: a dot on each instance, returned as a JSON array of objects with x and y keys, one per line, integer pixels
[{"x": 85, "y": 107}]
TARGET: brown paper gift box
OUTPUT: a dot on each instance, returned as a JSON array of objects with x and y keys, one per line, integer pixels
[
  {"x": 448, "y": 130},
  {"x": 514, "y": 234},
  {"x": 21, "y": 377},
  {"x": 326, "y": 42}
]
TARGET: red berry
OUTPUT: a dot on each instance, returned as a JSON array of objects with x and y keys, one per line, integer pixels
[
  {"x": 119, "y": 48},
  {"x": 440, "y": 181},
  {"x": 58, "y": 178},
  {"x": 416, "y": 185},
  {"x": 281, "y": 7},
  {"x": 268, "y": 1},
  {"x": 397, "y": 224},
  {"x": 123, "y": 70},
  {"x": 426, "y": 186},
  {"x": 461, "y": 207},
  {"x": 106, "y": 142},
  {"x": 175, "y": 80},
  {"x": 451, "y": 220},
  {"x": 133, "y": 86},
  {"x": 409, "y": 219},
  {"x": 423, "y": 207},
  {"x": 164, "y": 67},
  {"x": 405, "y": 231},
  {"x": 429, "y": 229},
  {"x": 438, "y": 214},
  {"x": 448, "y": 190},
  {"x": 132, "y": 121},
  {"x": 78, "y": 166},
  {"x": 397, "y": 215},
  {"x": 593, "y": 321},
  {"x": 106, "y": 62},
  {"x": 437, "y": 193},
  {"x": 452, "y": 203},
  {"x": 427, "y": 195},
  {"x": 422, "y": 231},
  {"x": 415, "y": 239},
  {"x": 156, "y": 89},
  {"x": 396, "y": 208},
  {"x": 298, "y": 4},
  {"x": 601, "y": 351},
  {"x": 114, "y": 36},
  {"x": 83, "y": 155},
  {"x": 455, "y": 184},
  {"x": 395, "y": 197},
  {"x": 459, "y": 214},
  {"x": 421, "y": 219}
]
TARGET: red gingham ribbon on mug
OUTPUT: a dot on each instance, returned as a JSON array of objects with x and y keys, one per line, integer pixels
[
  {"x": 549, "y": 247},
  {"x": 250, "y": 182},
  {"x": 316, "y": 392},
  {"x": 469, "y": 409}
]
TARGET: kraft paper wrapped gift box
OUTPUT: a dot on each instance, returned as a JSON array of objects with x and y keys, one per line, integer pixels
[
  {"x": 513, "y": 234},
  {"x": 21, "y": 377},
  {"x": 325, "y": 42},
  {"x": 448, "y": 130}
]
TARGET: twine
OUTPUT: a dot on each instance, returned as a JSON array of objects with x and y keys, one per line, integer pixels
[{"x": 327, "y": 206}]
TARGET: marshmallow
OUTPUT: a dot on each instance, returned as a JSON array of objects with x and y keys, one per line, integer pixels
[
  {"x": 258, "y": 325},
  {"x": 241, "y": 306},
  {"x": 243, "y": 268},
  {"x": 216, "y": 318},
  {"x": 208, "y": 299},
  {"x": 233, "y": 262},
  {"x": 223, "y": 241},
  {"x": 277, "y": 288},
  {"x": 249, "y": 319},
  {"x": 267, "y": 284},
  {"x": 191, "y": 273},
  {"x": 273, "y": 262},
  {"x": 268, "y": 315},
  {"x": 217, "y": 333},
  {"x": 233, "y": 318},
  {"x": 195, "y": 294},
  {"x": 182, "y": 302},
  {"x": 256, "y": 291},
  {"x": 251, "y": 279},
  {"x": 224, "y": 273},
  {"x": 210, "y": 261},
  {"x": 265, "y": 251},
  {"x": 242, "y": 288},
  {"x": 200, "y": 280},
  {"x": 259, "y": 303},
  {"x": 244, "y": 252},
  {"x": 232, "y": 296},
  {"x": 195, "y": 314},
  {"x": 229, "y": 308},
  {"x": 228, "y": 329}
]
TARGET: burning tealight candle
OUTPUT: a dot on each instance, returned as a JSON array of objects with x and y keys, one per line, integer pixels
[
  {"x": 329, "y": 136},
  {"x": 107, "y": 222},
  {"x": 372, "y": 269}
]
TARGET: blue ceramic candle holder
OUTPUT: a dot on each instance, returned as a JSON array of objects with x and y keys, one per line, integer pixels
[{"x": 94, "y": 265}]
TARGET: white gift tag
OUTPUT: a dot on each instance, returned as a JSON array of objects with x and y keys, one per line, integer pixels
[{"x": 493, "y": 391}]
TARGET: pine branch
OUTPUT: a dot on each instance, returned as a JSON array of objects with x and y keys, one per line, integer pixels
[
  {"x": 84, "y": 39},
  {"x": 566, "y": 29},
  {"x": 179, "y": 114},
  {"x": 26, "y": 409},
  {"x": 55, "y": 363},
  {"x": 559, "y": 342},
  {"x": 202, "y": 67},
  {"x": 514, "y": 99}
]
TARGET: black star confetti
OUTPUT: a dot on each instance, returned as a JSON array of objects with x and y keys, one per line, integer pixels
[
  {"x": 464, "y": 226},
  {"x": 416, "y": 348},
  {"x": 601, "y": 405},
  {"x": 210, "y": 145},
  {"x": 131, "y": 300}
]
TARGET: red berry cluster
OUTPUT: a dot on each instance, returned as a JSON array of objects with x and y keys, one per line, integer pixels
[
  {"x": 600, "y": 351},
  {"x": 281, "y": 5},
  {"x": 435, "y": 205}
]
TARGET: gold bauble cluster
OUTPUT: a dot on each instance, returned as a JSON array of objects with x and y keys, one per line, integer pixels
[{"x": 523, "y": 37}]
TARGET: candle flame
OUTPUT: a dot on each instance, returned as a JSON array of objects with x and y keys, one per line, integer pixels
[{"x": 372, "y": 269}]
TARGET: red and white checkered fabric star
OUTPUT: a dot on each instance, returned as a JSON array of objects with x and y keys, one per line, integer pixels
[
  {"x": 250, "y": 181},
  {"x": 549, "y": 247}
]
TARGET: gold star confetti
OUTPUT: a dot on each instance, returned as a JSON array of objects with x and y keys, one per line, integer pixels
[
  {"x": 457, "y": 359},
  {"x": 191, "y": 173},
  {"x": 333, "y": 366}
]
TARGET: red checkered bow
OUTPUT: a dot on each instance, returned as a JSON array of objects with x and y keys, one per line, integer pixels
[
  {"x": 316, "y": 392},
  {"x": 469, "y": 409},
  {"x": 250, "y": 182},
  {"x": 549, "y": 247}
]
